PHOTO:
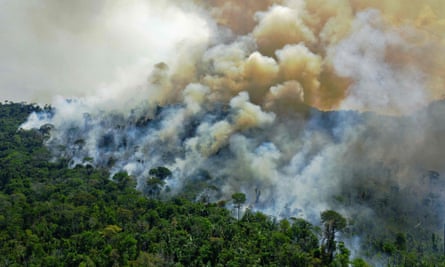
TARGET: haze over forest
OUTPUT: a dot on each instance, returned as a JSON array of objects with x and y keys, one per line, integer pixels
[{"x": 303, "y": 106}]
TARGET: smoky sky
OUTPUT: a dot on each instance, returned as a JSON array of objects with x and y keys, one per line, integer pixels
[
  {"x": 77, "y": 48},
  {"x": 84, "y": 48},
  {"x": 298, "y": 104}
]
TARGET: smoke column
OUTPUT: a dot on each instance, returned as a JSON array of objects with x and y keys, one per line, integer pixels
[{"x": 302, "y": 105}]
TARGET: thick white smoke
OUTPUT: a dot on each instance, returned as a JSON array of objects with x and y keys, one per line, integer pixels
[
  {"x": 304, "y": 106},
  {"x": 378, "y": 84},
  {"x": 77, "y": 48}
]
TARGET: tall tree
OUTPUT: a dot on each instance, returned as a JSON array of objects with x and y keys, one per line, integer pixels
[
  {"x": 333, "y": 223},
  {"x": 238, "y": 200}
]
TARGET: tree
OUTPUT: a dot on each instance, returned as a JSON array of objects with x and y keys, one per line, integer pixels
[
  {"x": 156, "y": 181},
  {"x": 342, "y": 256},
  {"x": 400, "y": 241},
  {"x": 302, "y": 234},
  {"x": 160, "y": 172},
  {"x": 153, "y": 186},
  {"x": 123, "y": 180},
  {"x": 358, "y": 262},
  {"x": 238, "y": 200},
  {"x": 333, "y": 223}
]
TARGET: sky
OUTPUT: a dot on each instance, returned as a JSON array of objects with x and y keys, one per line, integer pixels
[{"x": 75, "y": 48}]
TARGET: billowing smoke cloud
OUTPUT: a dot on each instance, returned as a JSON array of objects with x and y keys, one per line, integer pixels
[{"x": 302, "y": 105}]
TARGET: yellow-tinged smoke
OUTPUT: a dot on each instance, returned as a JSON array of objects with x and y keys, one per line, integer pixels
[
  {"x": 384, "y": 56},
  {"x": 379, "y": 55},
  {"x": 232, "y": 96}
]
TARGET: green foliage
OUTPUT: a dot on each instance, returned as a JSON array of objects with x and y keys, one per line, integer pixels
[
  {"x": 160, "y": 172},
  {"x": 400, "y": 241},
  {"x": 155, "y": 184},
  {"x": 123, "y": 180},
  {"x": 303, "y": 234},
  {"x": 342, "y": 256},
  {"x": 238, "y": 200},
  {"x": 334, "y": 219},
  {"x": 54, "y": 216},
  {"x": 359, "y": 263},
  {"x": 333, "y": 222},
  {"x": 153, "y": 187}
]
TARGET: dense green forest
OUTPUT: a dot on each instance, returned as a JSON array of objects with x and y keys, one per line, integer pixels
[{"x": 51, "y": 215}]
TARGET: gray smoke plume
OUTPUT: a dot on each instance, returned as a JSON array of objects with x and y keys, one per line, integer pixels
[{"x": 301, "y": 105}]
